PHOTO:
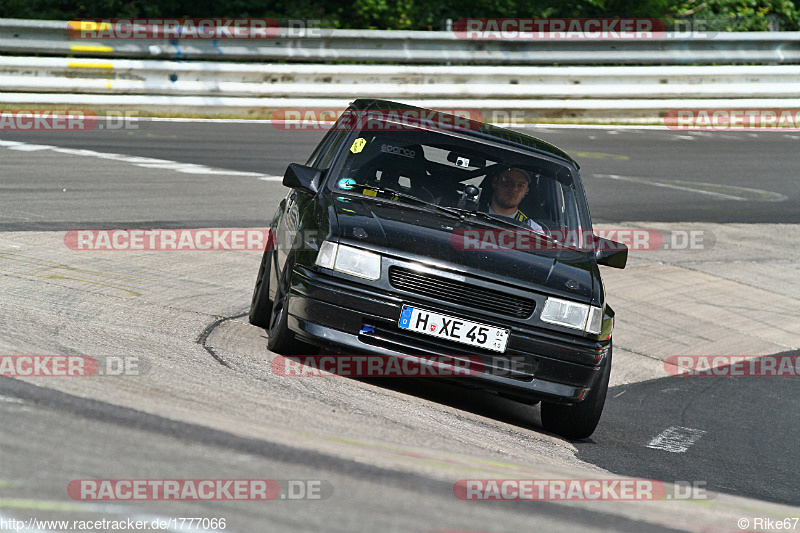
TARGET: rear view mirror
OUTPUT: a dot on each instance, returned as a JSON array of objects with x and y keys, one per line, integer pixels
[
  {"x": 302, "y": 177},
  {"x": 610, "y": 253},
  {"x": 465, "y": 161}
]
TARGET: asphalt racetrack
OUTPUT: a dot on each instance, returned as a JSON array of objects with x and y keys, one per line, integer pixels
[{"x": 385, "y": 455}]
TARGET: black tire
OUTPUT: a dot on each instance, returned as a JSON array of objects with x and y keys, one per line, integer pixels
[
  {"x": 281, "y": 338},
  {"x": 579, "y": 421},
  {"x": 261, "y": 305}
]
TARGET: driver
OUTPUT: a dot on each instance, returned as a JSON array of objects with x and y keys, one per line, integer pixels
[{"x": 509, "y": 187}]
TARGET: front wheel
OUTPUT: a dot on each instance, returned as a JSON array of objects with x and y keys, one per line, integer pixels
[
  {"x": 261, "y": 305},
  {"x": 578, "y": 421},
  {"x": 281, "y": 338}
]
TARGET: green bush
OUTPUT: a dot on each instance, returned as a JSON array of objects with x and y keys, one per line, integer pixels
[{"x": 719, "y": 15}]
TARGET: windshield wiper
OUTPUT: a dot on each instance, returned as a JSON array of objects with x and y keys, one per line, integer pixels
[
  {"x": 415, "y": 199},
  {"x": 456, "y": 212},
  {"x": 505, "y": 221}
]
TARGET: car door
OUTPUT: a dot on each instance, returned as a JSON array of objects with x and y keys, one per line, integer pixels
[{"x": 290, "y": 224}]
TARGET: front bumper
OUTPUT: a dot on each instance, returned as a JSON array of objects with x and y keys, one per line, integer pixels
[{"x": 332, "y": 312}]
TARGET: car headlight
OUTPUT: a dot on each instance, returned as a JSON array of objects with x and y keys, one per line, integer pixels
[
  {"x": 327, "y": 254},
  {"x": 349, "y": 260},
  {"x": 573, "y": 315}
]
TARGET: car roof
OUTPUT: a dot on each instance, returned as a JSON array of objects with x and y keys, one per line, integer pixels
[{"x": 478, "y": 129}]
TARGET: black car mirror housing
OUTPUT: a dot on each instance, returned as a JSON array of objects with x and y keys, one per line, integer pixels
[
  {"x": 302, "y": 177},
  {"x": 610, "y": 253}
]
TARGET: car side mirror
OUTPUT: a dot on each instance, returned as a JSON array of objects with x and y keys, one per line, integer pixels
[
  {"x": 302, "y": 177},
  {"x": 610, "y": 253}
]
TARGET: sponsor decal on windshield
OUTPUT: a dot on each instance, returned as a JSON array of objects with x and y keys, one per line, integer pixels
[{"x": 398, "y": 150}]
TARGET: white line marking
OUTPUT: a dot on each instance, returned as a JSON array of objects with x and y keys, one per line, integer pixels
[
  {"x": 220, "y": 120},
  {"x": 676, "y": 439},
  {"x": 9, "y": 143},
  {"x": 146, "y": 162},
  {"x": 512, "y": 126},
  {"x": 7, "y": 399},
  {"x": 697, "y": 187},
  {"x": 24, "y": 147},
  {"x": 329, "y": 123},
  {"x": 200, "y": 169}
]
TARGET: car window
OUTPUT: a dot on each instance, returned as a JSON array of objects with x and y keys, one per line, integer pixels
[
  {"x": 323, "y": 154},
  {"x": 331, "y": 149},
  {"x": 318, "y": 151},
  {"x": 435, "y": 167}
]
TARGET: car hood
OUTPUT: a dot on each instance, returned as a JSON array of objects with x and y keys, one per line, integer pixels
[{"x": 428, "y": 236}]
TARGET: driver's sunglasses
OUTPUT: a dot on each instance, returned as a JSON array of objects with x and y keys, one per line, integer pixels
[{"x": 508, "y": 181}]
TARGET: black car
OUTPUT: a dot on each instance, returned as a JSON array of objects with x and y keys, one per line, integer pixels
[{"x": 400, "y": 221}]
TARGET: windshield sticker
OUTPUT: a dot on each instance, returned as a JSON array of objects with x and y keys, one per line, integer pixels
[
  {"x": 358, "y": 145},
  {"x": 346, "y": 183},
  {"x": 398, "y": 150},
  {"x": 369, "y": 192}
]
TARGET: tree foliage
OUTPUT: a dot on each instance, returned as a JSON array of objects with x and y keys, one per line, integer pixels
[{"x": 720, "y": 15}]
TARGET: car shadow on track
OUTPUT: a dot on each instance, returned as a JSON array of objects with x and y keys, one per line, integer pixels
[
  {"x": 474, "y": 401},
  {"x": 750, "y": 427}
]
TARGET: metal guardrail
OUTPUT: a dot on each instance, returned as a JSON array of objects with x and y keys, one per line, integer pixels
[
  {"x": 173, "y": 78},
  {"x": 164, "y": 80},
  {"x": 24, "y": 37}
]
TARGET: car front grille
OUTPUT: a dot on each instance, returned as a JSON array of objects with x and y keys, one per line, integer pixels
[{"x": 456, "y": 292}]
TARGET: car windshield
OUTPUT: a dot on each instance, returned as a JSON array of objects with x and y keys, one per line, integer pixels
[{"x": 464, "y": 175}]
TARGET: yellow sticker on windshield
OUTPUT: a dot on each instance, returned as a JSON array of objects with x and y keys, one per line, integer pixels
[
  {"x": 369, "y": 192},
  {"x": 358, "y": 145}
]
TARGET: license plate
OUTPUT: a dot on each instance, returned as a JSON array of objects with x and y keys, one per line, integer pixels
[{"x": 453, "y": 329}]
